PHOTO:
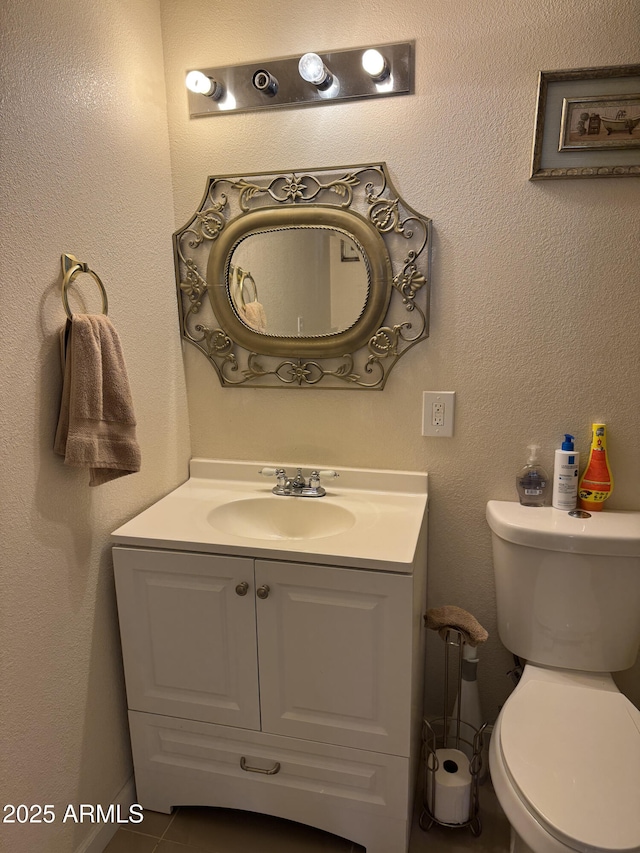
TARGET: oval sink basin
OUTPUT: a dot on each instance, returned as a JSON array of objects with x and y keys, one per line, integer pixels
[{"x": 281, "y": 518}]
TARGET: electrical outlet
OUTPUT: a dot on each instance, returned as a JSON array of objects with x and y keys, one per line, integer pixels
[{"x": 438, "y": 409}]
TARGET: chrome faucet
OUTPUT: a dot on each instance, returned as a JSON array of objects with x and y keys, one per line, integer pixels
[{"x": 298, "y": 486}]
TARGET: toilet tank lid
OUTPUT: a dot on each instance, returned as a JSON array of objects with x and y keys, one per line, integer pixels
[{"x": 605, "y": 533}]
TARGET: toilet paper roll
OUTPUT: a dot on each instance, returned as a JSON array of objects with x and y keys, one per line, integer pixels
[{"x": 452, "y": 782}]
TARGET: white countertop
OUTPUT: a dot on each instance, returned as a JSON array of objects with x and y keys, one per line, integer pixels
[{"x": 389, "y": 507}]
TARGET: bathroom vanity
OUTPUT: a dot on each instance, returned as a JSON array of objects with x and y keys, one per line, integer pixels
[{"x": 273, "y": 648}]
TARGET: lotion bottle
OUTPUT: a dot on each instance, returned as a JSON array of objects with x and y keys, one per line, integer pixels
[
  {"x": 565, "y": 476},
  {"x": 532, "y": 481}
]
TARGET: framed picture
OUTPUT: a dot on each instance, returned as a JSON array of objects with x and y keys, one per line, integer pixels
[
  {"x": 587, "y": 123},
  {"x": 348, "y": 252}
]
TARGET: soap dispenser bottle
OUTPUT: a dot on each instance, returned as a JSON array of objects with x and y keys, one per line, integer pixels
[
  {"x": 532, "y": 481},
  {"x": 565, "y": 476}
]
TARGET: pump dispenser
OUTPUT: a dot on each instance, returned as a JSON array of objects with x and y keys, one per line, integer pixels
[
  {"x": 532, "y": 481},
  {"x": 565, "y": 476}
]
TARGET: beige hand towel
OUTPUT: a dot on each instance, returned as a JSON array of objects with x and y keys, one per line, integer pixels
[
  {"x": 97, "y": 425},
  {"x": 441, "y": 618},
  {"x": 254, "y": 315}
]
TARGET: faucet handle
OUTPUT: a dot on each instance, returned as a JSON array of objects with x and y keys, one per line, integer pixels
[
  {"x": 279, "y": 473},
  {"x": 271, "y": 472},
  {"x": 328, "y": 475}
]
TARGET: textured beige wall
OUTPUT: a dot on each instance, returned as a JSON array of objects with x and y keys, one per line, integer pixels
[
  {"x": 85, "y": 169},
  {"x": 535, "y": 285}
]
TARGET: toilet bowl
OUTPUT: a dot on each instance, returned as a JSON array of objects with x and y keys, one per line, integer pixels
[
  {"x": 565, "y": 764},
  {"x": 565, "y": 749}
]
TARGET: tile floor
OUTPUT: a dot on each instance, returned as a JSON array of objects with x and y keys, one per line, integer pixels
[{"x": 203, "y": 830}]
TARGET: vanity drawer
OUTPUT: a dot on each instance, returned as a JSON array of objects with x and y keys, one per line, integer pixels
[{"x": 182, "y": 762}]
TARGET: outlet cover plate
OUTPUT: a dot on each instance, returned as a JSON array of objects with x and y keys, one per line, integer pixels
[{"x": 438, "y": 411}]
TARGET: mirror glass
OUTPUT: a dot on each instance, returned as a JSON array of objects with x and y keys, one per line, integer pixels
[{"x": 298, "y": 282}]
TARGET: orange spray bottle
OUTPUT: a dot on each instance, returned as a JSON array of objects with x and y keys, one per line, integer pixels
[{"x": 596, "y": 483}]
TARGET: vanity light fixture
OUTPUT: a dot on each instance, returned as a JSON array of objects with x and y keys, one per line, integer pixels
[{"x": 340, "y": 75}]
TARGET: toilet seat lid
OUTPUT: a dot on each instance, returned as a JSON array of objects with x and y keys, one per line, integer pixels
[{"x": 559, "y": 743}]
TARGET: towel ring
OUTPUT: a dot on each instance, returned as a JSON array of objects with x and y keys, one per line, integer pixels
[
  {"x": 245, "y": 278},
  {"x": 71, "y": 267}
]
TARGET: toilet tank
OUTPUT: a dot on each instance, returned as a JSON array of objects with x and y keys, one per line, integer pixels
[{"x": 567, "y": 588}]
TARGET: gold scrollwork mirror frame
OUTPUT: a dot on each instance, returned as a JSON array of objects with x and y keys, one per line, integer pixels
[{"x": 358, "y": 201}]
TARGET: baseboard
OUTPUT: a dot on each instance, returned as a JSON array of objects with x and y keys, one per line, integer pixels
[{"x": 104, "y": 832}]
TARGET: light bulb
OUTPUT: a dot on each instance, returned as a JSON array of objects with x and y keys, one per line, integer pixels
[
  {"x": 375, "y": 65},
  {"x": 199, "y": 83},
  {"x": 313, "y": 70}
]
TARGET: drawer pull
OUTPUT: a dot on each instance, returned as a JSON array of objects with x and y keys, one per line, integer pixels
[
  {"x": 242, "y": 588},
  {"x": 275, "y": 769},
  {"x": 263, "y": 591}
]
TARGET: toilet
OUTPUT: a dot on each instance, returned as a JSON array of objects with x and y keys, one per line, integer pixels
[{"x": 565, "y": 749}]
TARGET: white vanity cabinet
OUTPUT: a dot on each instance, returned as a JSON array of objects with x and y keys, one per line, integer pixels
[
  {"x": 313, "y": 655},
  {"x": 274, "y": 684}
]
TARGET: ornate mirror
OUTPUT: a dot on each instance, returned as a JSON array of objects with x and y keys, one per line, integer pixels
[{"x": 304, "y": 279}]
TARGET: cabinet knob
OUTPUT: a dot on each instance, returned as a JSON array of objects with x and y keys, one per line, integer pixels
[
  {"x": 242, "y": 588},
  {"x": 263, "y": 591}
]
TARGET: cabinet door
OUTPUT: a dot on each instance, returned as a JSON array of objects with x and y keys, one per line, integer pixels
[
  {"x": 335, "y": 651},
  {"x": 188, "y": 637}
]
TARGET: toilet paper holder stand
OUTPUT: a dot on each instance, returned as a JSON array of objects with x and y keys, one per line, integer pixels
[{"x": 450, "y": 731}]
